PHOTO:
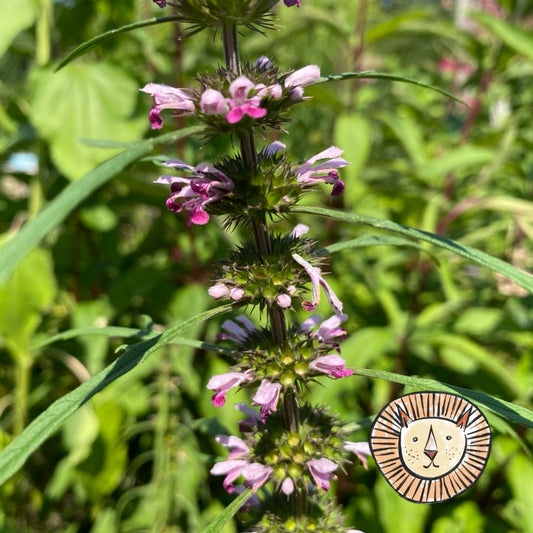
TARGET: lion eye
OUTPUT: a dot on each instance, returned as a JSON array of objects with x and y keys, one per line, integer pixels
[
  {"x": 448, "y": 437},
  {"x": 415, "y": 439}
]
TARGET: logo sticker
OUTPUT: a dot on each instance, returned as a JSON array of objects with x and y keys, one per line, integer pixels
[{"x": 430, "y": 446}]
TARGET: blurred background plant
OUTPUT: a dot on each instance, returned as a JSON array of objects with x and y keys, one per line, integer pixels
[{"x": 136, "y": 457}]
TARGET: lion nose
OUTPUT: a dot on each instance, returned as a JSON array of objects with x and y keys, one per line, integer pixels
[{"x": 431, "y": 453}]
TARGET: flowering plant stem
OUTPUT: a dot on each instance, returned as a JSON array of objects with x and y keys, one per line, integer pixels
[{"x": 289, "y": 404}]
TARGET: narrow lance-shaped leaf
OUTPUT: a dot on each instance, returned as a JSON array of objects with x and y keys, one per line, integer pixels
[
  {"x": 64, "y": 203},
  {"x": 372, "y": 75},
  {"x": 13, "y": 456},
  {"x": 99, "y": 39},
  {"x": 515, "y": 413},
  {"x": 521, "y": 277},
  {"x": 226, "y": 515}
]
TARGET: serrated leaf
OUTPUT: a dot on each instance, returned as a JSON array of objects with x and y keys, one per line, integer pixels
[
  {"x": 57, "y": 210},
  {"x": 521, "y": 277},
  {"x": 13, "y": 456},
  {"x": 84, "y": 101}
]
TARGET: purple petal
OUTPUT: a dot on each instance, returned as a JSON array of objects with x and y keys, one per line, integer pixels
[
  {"x": 322, "y": 471},
  {"x": 213, "y": 103},
  {"x": 361, "y": 450},
  {"x": 235, "y": 115},
  {"x": 274, "y": 148},
  {"x": 299, "y": 230},
  {"x": 239, "y": 88},
  {"x": 236, "y": 446},
  {"x": 256, "y": 474}
]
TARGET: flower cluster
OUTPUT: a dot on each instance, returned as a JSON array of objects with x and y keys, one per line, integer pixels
[
  {"x": 290, "y": 459},
  {"x": 307, "y": 355},
  {"x": 246, "y": 98}
]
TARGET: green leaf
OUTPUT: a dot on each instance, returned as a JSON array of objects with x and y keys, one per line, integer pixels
[
  {"x": 372, "y": 75},
  {"x": 58, "y": 209},
  {"x": 225, "y": 516},
  {"x": 476, "y": 256},
  {"x": 24, "y": 297},
  {"x": 13, "y": 456},
  {"x": 99, "y": 39},
  {"x": 515, "y": 413},
  {"x": 89, "y": 100},
  {"x": 15, "y": 17},
  {"x": 516, "y": 38},
  {"x": 373, "y": 240}
]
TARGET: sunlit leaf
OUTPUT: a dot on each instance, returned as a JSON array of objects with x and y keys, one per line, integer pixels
[
  {"x": 64, "y": 203},
  {"x": 476, "y": 256},
  {"x": 13, "y": 456}
]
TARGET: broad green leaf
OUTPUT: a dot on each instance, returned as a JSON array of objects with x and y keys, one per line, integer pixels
[
  {"x": 24, "y": 297},
  {"x": 83, "y": 101},
  {"x": 57, "y": 209},
  {"x": 15, "y": 17},
  {"x": 518, "y": 39},
  {"x": 99, "y": 39},
  {"x": 481, "y": 258},
  {"x": 373, "y": 75},
  {"x": 13, "y": 456},
  {"x": 460, "y": 158},
  {"x": 466, "y": 518},
  {"x": 478, "y": 321},
  {"x": 515, "y": 413},
  {"x": 225, "y": 516}
]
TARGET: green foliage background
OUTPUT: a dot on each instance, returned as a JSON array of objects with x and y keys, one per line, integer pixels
[{"x": 136, "y": 456}]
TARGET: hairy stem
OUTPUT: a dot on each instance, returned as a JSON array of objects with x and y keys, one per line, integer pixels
[{"x": 289, "y": 404}]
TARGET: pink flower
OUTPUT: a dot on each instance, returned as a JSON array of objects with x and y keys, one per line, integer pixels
[
  {"x": 273, "y": 91},
  {"x": 333, "y": 365},
  {"x": 256, "y": 475},
  {"x": 235, "y": 332},
  {"x": 273, "y": 148},
  {"x": 316, "y": 281},
  {"x": 237, "y": 447},
  {"x": 222, "y": 383},
  {"x": 267, "y": 397},
  {"x": 303, "y": 77},
  {"x": 236, "y": 294},
  {"x": 329, "y": 329},
  {"x": 239, "y": 102},
  {"x": 326, "y": 172},
  {"x": 213, "y": 103},
  {"x": 218, "y": 291},
  {"x": 166, "y": 97},
  {"x": 361, "y": 450},
  {"x": 287, "y": 487},
  {"x": 160, "y": 3},
  {"x": 231, "y": 469},
  {"x": 322, "y": 471},
  {"x": 299, "y": 230},
  {"x": 194, "y": 193},
  {"x": 284, "y": 300},
  {"x": 290, "y": 3}
]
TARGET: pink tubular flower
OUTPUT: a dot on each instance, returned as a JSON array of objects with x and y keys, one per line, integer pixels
[
  {"x": 235, "y": 332},
  {"x": 239, "y": 102},
  {"x": 231, "y": 469},
  {"x": 322, "y": 471},
  {"x": 332, "y": 365},
  {"x": 316, "y": 281},
  {"x": 256, "y": 475},
  {"x": 273, "y": 148},
  {"x": 290, "y": 3},
  {"x": 299, "y": 230},
  {"x": 237, "y": 447},
  {"x": 267, "y": 397},
  {"x": 207, "y": 185},
  {"x": 284, "y": 300},
  {"x": 329, "y": 329},
  {"x": 222, "y": 383},
  {"x": 166, "y": 97},
  {"x": 213, "y": 103},
  {"x": 326, "y": 172},
  {"x": 218, "y": 291},
  {"x": 361, "y": 449},
  {"x": 160, "y": 3},
  {"x": 287, "y": 487},
  {"x": 299, "y": 79}
]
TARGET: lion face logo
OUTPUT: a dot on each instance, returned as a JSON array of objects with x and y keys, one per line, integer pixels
[{"x": 430, "y": 446}]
